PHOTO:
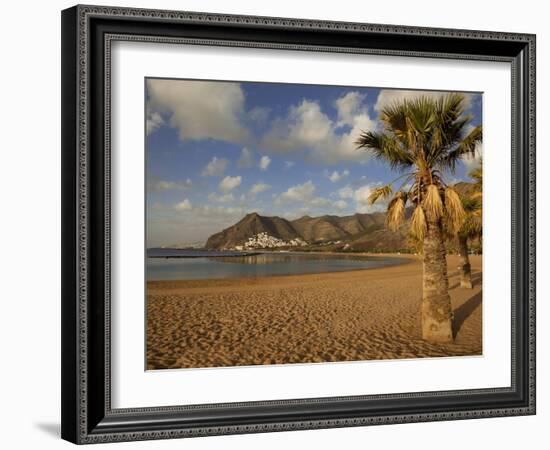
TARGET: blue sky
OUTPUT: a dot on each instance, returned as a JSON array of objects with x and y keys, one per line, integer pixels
[{"x": 216, "y": 151}]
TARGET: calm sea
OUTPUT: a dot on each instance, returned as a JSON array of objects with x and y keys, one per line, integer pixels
[{"x": 176, "y": 264}]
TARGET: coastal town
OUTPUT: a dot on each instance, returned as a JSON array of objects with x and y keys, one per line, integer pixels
[{"x": 264, "y": 240}]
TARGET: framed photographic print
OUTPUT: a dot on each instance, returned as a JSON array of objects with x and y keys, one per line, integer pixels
[{"x": 266, "y": 222}]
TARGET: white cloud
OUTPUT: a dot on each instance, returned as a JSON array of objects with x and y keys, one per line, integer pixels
[
  {"x": 289, "y": 164},
  {"x": 213, "y": 211},
  {"x": 163, "y": 185},
  {"x": 305, "y": 125},
  {"x": 215, "y": 168},
  {"x": 170, "y": 227},
  {"x": 303, "y": 194},
  {"x": 185, "y": 205},
  {"x": 230, "y": 183},
  {"x": 307, "y": 129},
  {"x": 224, "y": 198},
  {"x": 299, "y": 193},
  {"x": 199, "y": 109},
  {"x": 346, "y": 192},
  {"x": 259, "y": 114},
  {"x": 246, "y": 160},
  {"x": 258, "y": 188},
  {"x": 349, "y": 106},
  {"x": 387, "y": 97},
  {"x": 264, "y": 162},
  {"x": 340, "y": 204},
  {"x": 154, "y": 121},
  {"x": 337, "y": 176},
  {"x": 360, "y": 197},
  {"x": 320, "y": 202}
]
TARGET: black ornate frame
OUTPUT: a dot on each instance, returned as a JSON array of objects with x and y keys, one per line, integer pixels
[{"x": 87, "y": 34}]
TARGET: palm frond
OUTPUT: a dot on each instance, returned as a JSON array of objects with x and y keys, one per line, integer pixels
[
  {"x": 380, "y": 192},
  {"x": 477, "y": 174},
  {"x": 468, "y": 144},
  {"x": 466, "y": 147},
  {"x": 472, "y": 226},
  {"x": 471, "y": 203},
  {"x": 448, "y": 125},
  {"x": 477, "y": 196},
  {"x": 386, "y": 148},
  {"x": 432, "y": 203},
  {"x": 418, "y": 223},
  {"x": 420, "y": 115},
  {"x": 394, "y": 118},
  {"x": 396, "y": 212},
  {"x": 454, "y": 211}
]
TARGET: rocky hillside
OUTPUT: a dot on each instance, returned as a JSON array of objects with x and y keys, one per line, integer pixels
[
  {"x": 251, "y": 225},
  {"x": 313, "y": 230}
]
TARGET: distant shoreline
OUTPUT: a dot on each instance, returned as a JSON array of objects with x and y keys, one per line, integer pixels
[
  {"x": 206, "y": 255},
  {"x": 229, "y": 254}
]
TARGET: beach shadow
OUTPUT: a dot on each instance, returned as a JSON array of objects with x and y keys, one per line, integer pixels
[
  {"x": 52, "y": 429},
  {"x": 476, "y": 279},
  {"x": 464, "y": 311}
]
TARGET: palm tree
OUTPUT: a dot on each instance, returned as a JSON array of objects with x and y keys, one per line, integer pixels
[
  {"x": 424, "y": 138},
  {"x": 471, "y": 228}
]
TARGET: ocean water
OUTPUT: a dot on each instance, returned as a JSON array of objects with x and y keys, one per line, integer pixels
[{"x": 172, "y": 264}]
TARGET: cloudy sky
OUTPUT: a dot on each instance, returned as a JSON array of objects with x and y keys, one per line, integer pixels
[{"x": 219, "y": 150}]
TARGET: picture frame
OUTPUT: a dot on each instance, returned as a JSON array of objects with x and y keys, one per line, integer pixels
[{"x": 87, "y": 413}]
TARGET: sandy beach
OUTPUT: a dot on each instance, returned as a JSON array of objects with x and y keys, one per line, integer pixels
[{"x": 345, "y": 316}]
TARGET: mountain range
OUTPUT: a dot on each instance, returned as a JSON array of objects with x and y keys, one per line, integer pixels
[{"x": 358, "y": 229}]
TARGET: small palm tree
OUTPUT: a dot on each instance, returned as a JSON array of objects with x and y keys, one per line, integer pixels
[
  {"x": 472, "y": 227},
  {"x": 425, "y": 138}
]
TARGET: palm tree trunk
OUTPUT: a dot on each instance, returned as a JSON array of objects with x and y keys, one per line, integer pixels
[
  {"x": 437, "y": 313},
  {"x": 464, "y": 268}
]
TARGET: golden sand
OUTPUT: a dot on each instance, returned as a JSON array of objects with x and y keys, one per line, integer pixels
[{"x": 344, "y": 316}]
